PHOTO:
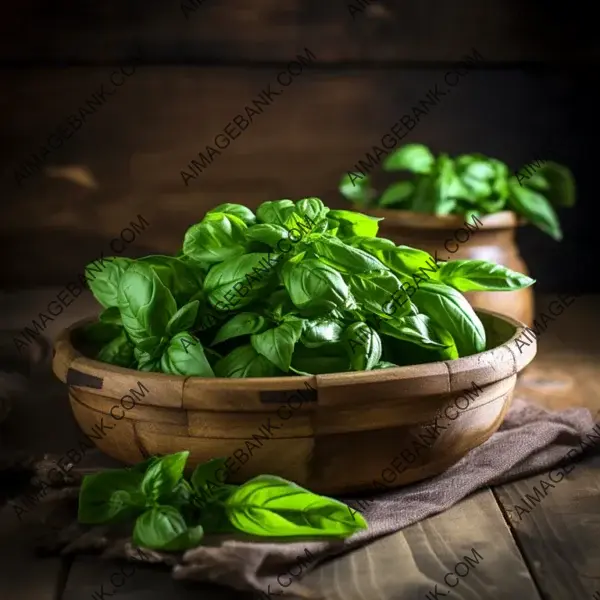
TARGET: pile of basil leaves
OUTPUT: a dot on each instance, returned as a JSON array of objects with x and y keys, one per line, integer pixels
[
  {"x": 173, "y": 513},
  {"x": 470, "y": 184},
  {"x": 334, "y": 298}
]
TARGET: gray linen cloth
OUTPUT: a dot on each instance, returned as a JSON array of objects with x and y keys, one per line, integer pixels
[{"x": 531, "y": 439}]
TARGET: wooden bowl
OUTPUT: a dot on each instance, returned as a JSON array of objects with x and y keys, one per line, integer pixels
[
  {"x": 493, "y": 240},
  {"x": 330, "y": 433}
]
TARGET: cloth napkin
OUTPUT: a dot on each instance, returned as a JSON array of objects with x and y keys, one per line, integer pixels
[{"x": 531, "y": 439}]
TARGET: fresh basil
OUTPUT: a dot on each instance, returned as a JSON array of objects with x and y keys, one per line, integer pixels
[
  {"x": 353, "y": 224},
  {"x": 364, "y": 346},
  {"x": 105, "y": 284},
  {"x": 164, "y": 528},
  {"x": 184, "y": 318},
  {"x": 276, "y": 212},
  {"x": 420, "y": 330},
  {"x": 184, "y": 355},
  {"x": 343, "y": 257},
  {"x": 327, "y": 358},
  {"x": 240, "y": 324},
  {"x": 118, "y": 351},
  {"x": 267, "y": 233},
  {"x": 318, "y": 332},
  {"x": 411, "y": 157},
  {"x": 237, "y": 210},
  {"x": 245, "y": 361},
  {"x": 475, "y": 275},
  {"x": 277, "y": 344},
  {"x": 163, "y": 475}
]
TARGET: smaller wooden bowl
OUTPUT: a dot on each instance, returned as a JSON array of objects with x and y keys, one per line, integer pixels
[{"x": 330, "y": 433}]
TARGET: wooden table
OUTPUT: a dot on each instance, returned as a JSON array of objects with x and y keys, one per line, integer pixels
[{"x": 552, "y": 552}]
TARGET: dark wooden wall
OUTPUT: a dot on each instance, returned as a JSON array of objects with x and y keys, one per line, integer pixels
[{"x": 532, "y": 98}]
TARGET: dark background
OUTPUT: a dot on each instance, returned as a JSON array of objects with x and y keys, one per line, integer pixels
[{"x": 532, "y": 99}]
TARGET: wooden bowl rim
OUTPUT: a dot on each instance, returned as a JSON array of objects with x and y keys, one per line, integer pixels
[
  {"x": 448, "y": 376},
  {"x": 505, "y": 219}
]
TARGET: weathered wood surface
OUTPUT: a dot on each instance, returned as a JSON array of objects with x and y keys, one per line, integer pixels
[
  {"x": 131, "y": 151},
  {"x": 255, "y": 30}
]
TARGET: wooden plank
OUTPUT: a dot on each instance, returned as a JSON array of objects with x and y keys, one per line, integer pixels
[
  {"x": 558, "y": 528},
  {"x": 409, "y": 564},
  {"x": 89, "y": 577},
  {"x": 139, "y": 141},
  {"x": 245, "y": 30}
]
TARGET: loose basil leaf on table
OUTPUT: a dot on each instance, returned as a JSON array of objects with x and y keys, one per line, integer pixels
[
  {"x": 416, "y": 158},
  {"x": 364, "y": 346},
  {"x": 277, "y": 344},
  {"x": 450, "y": 311},
  {"x": 216, "y": 238},
  {"x": 184, "y": 355},
  {"x": 245, "y": 361},
  {"x": 481, "y": 275},
  {"x": 237, "y": 210},
  {"x": 105, "y": 284},
  {"x": 164, "y": 528},
  {"x": 118, "y": 351},
  {"x": 245, "y": 323},
  {"x": 162, "y": 476},
  {"x": 111, "y": 496},
  {"x": 274, "y": 507},
  {"x": 146, "y": 305}
]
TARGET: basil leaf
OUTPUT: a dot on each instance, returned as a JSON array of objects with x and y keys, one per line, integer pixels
[
  {"x": 267, "y": 233},
  {"x": 272, "y": 506},
  {"x": 185, "y": 356},
  {"x": 321, "y": 331},
  {"x": 375, "y": 292},
  {"x": 146, "y": 304},
  {"x": 559, "y": 183},
  {"x": 403, "y": 260},
  {"x": 343, "y": 257},
  {"x": 245, "y": 323},
  {"x": 112, "y": 496},
  {"x": 184, "y": 318},
  {"x": 397, "y": 193},
  {"x": 163, "y": 475},
  {"x": 329, "y": 358},
  {"x": 314, "y": 285},
  {"x": 450, "y": 311},
  {"x": 207, "y": 472},
  {"x": 118, "y": 351},
  {"x": 364, "y": 346},
  {"x": 358, "y": 191},
  {"x": 216, "y": 238},
  {"x": 277, "y": 344},
  {"x": 146, "y": 362},
  {"x": 535, "y": 208},
  {"x": 245, "y": 361},
  {"x": 307, "y": 210},
  {"x": 183, "y": 279},
  {"x": 237, "y": 210},
  {"x": 111, "y": 316},
  {"x": 105, "y": 285},
  {"x": 164, "y": 528},
  {"x": 251, "y": 273},
  {"x": 418, "y": 329},
  {"x": 416, "y": 158},
  {"x": 353, "y": 224},
  {"x": 276, "y": 212},
  {"x": 279, "y": 304},
  {"x": 481, "y": 275}
]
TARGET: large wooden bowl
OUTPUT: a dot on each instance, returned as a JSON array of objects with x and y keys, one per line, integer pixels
[
  {"x": 351, "y": 429},
  {"x": 494, "y": 240}
]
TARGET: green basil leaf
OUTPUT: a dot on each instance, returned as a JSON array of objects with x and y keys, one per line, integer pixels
[
  {"x": 146, "y": 304},
  {"x": 118, "y": 351},
  {"x": 112, "y": 496},
  {"x": 272, "y": 506},
  {"x": 328, "y": 358},
  {"x": 185, "y": 356},
  {"x": 343, "y": 257},
  {"x": 111, "y": 316},
  {"x": 314, "y": 285},
  {"x": 559, "y": 183},
  {"x": 416, "y": 158},
  {"x": 317, "y": 332},
  {"x": 251, "y": 273},
  {"x": 355, "y": 224},
  {"x": 164, "y": 528},
  {"x": 105, "y": 285},
  {"x": 163, "y": 475},
  {"x": 376, "y": 292},
  {"x": 450, "y": 311},
  {"x": 279, "y": 304},
  {"x": 481, "y": 275},
  {"x": 237, "y": 210},
  {"x": 216, "y": 238},
  {"x": 397, "y": 193},
  {"x": 357, "y": 190},
  {"x": 277, "y": 344},
  {"x": 267, "y": 233},
  {"x": 364, "y": 346},
  {"x": 245, "y": 323},
  {"x": 418, "y": 329},
  {"x": 143, "y": 466},
  {"x": 307, "y": 212},
  {"x": 275, "y": 212},
  {"x": 146, "y": 361},
  {"x": 535, "y": 208},
  {"x": 184, "y": 318},
  {"x": 207, "y": 472},
  {"x": 245, "y": 361}
]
